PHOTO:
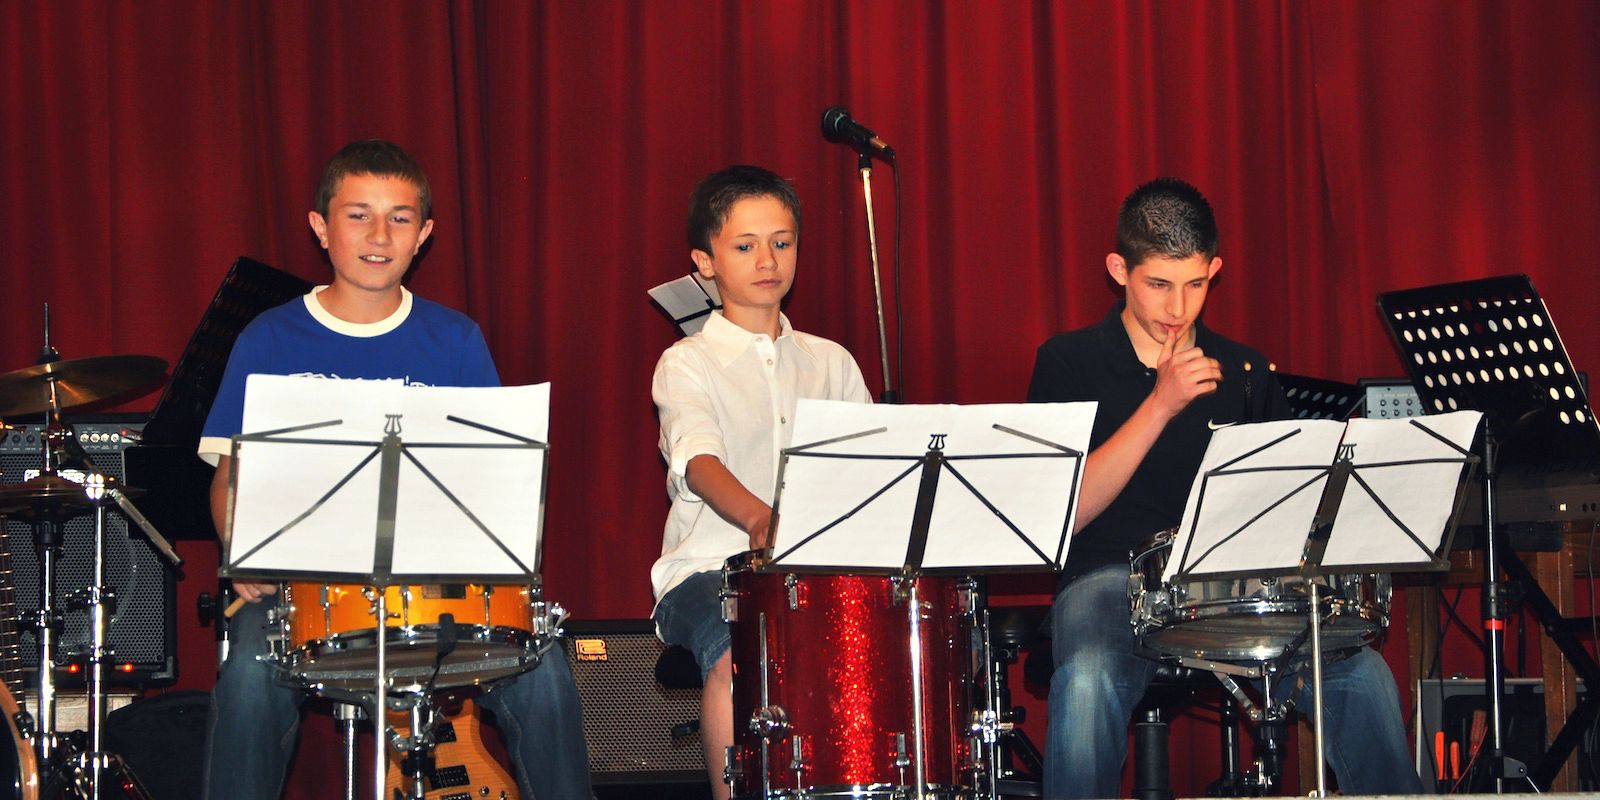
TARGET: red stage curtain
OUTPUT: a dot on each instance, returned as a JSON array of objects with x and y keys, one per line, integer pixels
[{"x": 1349, "y": 148}]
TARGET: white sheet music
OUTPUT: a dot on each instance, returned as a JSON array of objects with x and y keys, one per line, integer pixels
[
  {"x": 835, "y": 512},
  {"x": 278, "y": 482},
  {"x": 1266, "y": 535},
  {"x": 1421, "y": 496},
  {"x": 1255, "y": 498}
]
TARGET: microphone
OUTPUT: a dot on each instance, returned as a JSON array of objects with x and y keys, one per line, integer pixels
[{"x": 837, "y": 126}]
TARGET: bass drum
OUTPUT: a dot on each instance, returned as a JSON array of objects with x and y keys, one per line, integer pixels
[
  {"x": 1249, "y": 619},
  {"x": 822, "y": 685},
  {"x": 19, "y": 766}
]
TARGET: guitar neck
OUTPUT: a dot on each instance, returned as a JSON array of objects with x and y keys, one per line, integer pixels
[{"x": 11, "y": 670}]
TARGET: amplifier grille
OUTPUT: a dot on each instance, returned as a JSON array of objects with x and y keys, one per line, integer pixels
[
  {"x": 627, "y": 715},
  {"x": 142, "y": 630}
]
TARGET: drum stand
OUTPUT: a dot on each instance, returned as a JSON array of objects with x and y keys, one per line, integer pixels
[{"x": 82, "y": 774}]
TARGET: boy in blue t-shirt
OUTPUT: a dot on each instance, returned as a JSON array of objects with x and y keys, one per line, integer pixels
[{"x": 372, "y": 216}]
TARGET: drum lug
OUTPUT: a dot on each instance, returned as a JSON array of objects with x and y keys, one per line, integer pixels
[
  {"x": 902, "y": 756},
  {"x": 792, "y": 583},
  {"x": 798, "y": 760},
  {"x": 770, "y": 722},
  {"x": 730, "y": 766},
  {"x": 730, "y": 605},
  {"x": 967, "y": 596}
]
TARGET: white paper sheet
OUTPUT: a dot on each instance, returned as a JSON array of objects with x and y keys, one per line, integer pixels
[
  {"x": 278, "y": 481},
  {"x": 1034, "y": 493},
  {"x": 1420, "y": 495},
  {"x": 1277, "y": 539}
]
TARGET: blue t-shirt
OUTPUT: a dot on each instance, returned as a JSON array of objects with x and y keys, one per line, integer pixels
[{"x": 422, "y": 344}]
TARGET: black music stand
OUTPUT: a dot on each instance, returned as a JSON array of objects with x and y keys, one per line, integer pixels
[
  {"x": 1490, "y": 345},
  {"x": 1347, "y": 504},
  {"x": 373, "y": 503}
]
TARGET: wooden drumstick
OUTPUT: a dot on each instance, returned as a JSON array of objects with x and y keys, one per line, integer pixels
[{"x": 233, "y": 607}]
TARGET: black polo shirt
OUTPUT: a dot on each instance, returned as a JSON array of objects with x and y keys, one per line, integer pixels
[{"x": 1098, "y": 363}]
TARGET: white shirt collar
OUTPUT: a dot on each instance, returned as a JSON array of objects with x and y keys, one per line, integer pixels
[
  {"x": 728, "y": 341},
  {"x": 358, "y": 329}
]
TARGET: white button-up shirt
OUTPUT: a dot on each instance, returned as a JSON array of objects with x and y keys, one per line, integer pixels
[{"x": 730, "y": 393}]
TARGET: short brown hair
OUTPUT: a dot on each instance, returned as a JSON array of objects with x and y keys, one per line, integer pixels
[
  {"x": 713, "y": 198},
  {"x": 378, "y": 157}
]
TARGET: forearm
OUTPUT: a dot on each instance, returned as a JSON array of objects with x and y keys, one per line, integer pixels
[
  {"x": 709, "y": 478},
  {"x": 1110, "y": 466},
  {"x": 219, "y": 497}
]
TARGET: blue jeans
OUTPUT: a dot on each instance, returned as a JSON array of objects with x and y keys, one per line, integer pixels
[
  {"x": 690, "y": 616},
  {"x": 254, "y": 721},
  {"x": 1100, "y": 678}
]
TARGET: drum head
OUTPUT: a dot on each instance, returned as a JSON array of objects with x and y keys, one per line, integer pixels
[{"x": 350, "y": 660}]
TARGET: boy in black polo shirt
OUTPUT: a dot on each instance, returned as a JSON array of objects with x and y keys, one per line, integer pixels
[{"x": 1164, "y": 382}]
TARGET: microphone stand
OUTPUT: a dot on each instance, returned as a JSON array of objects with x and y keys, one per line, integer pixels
[{"x": 864, "y": 164}]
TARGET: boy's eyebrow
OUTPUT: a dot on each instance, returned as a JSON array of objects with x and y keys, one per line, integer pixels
[
  {"x": 363, "y": 204},
  {"x": 753, "y": 233}
]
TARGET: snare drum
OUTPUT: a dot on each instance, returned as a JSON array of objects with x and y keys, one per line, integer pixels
[
  {"x": 1251, "y": 619},
  {"x": 822, "y": 685},
  {"x": 328, "y": 638}
]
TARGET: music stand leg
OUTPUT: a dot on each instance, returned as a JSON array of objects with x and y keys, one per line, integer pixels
[
  {"x": 380, "y": 697},
  {"x": 914, "y": 606},
  {"x": 1316, "y": 689}
]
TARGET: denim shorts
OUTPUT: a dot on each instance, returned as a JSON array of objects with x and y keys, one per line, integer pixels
[{"x": 690, "y": 616}]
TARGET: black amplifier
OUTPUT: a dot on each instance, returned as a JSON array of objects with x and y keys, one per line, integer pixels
[{"x": 142, "y": 633}]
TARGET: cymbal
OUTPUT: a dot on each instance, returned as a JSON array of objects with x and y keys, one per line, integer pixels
[
  {"x": 78, "y": 382},
  {"x": 49, "y": 493},
  {"x": 43, "y": 491}
]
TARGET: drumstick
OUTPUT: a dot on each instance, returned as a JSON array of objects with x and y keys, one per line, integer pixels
[{"x": 233, "y": 607}]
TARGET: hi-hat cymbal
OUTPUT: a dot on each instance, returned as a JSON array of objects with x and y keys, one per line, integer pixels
[
  {"x": 43, "y": 492},
  {"x": 50, "y": 494},
  {"x": 78, "y": 382}
]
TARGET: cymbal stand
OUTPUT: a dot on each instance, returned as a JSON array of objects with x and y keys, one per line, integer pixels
[{"x": 47, "y": 537}]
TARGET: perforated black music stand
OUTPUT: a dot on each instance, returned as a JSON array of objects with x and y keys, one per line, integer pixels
[{"x": 1491, "y": 345}]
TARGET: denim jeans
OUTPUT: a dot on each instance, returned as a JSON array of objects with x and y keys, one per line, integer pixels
[
  {"x": 690, "y": 616},
  {"x": 1100, "y": 678},
  {"x": 254, "y": 720}
]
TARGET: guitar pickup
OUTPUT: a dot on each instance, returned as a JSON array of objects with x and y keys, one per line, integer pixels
[{"x": 445, "y": 777}]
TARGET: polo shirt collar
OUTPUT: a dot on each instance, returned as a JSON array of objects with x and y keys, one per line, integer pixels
[{"x": 729, "y": 341}]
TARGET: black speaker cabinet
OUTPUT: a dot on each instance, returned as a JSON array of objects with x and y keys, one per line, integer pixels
[
  {"x": 628, "y": 717},
  {"x": 143, "y": 636}
]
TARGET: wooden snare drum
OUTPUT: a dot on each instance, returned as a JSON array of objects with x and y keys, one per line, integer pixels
[{"x": 329, "y": 639}]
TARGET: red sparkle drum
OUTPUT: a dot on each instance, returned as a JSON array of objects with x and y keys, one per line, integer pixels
[
  {"x": 1249, "y": 619},
  {"x": 823, "y": 684},
  {"x": 328, "y": 639}
]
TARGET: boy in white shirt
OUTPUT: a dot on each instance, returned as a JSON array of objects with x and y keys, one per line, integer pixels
[{"x": 726, "y": 399}]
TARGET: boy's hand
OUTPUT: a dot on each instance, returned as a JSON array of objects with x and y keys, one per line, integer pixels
[
  {"x": 254, "y": 592},
  {"x": 1183, "y": 375},
  {"x": 760, "y": 532}
]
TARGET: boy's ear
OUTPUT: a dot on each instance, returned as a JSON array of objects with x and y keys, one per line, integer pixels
[
  {"x": 319, "y": 226},
  {"x": 1118, "y": 267},
  {"x": 702, "y": 263},
  {"x": 422, "y": 236}
]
